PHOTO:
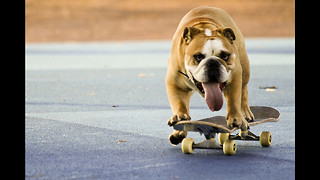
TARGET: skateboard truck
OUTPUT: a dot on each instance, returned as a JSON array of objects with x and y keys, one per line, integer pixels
[
  {"x": 265, "y": 135},
  {"x": 243, "y": 133}
]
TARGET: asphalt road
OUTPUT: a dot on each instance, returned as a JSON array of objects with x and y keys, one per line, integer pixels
[{"x": 99, "y": 111}]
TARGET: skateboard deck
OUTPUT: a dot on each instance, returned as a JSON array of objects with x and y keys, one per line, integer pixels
[
  {"x": 218, "y": 124},
  {"x": 262, "y": 114}
]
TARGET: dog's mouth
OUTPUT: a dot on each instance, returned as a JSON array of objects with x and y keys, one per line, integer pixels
[
  {"x": 201, "y": 90},
  {"x": 212, "y": 92}
]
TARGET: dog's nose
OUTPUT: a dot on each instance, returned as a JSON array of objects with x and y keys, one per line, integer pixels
[
  {"x": 213, "y": 70},
  {"x": 212, "y": 63}
]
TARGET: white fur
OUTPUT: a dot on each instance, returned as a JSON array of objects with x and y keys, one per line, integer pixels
[
  {"x": 224, "y": 74},
  {"x": 208, "y": 32},
  {"x": 212, "y": 47},
  {"x": 198, "y": 72}
]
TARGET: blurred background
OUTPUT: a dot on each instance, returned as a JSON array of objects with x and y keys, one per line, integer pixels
[{"x": 112, "y": 20}]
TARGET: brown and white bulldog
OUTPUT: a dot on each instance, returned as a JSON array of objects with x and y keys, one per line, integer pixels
[{"x": 208, "y": 55}]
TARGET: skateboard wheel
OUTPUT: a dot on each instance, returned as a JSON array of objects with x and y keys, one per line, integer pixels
[
  {"x": 186, "y": 145},
  {"x": 229, "y": 147},
  {"x": 265, "y": 138},
  {"x": 223, "y": 137}
]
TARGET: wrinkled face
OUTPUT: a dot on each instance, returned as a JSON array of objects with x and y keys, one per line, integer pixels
[{"x": 209, "y": 60}]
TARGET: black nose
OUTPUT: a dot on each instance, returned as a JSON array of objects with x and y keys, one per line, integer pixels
[
  {"x": 212, "y": 63},
  {"x": 213, "y": 70}
]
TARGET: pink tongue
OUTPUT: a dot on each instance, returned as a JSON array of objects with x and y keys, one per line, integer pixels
[{"x": 213, "y": 96}]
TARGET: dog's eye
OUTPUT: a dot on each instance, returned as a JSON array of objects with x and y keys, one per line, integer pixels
[
  {"x": 198, "y": 57},
  {"x": 225, "y": 56}
]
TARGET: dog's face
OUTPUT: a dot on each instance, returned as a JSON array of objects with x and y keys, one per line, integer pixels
[{"x": 209, "y": 59}]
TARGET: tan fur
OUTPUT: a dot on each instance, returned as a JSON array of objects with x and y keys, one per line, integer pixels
[{"x": 180, "y": 88}]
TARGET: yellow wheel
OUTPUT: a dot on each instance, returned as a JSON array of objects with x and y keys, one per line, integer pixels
[
  {"x": 223, "y": 137},
  {"x": 265, "y": 138},
  {"x": 186, "y": 145},
  {"x": 229, "y": 147}
]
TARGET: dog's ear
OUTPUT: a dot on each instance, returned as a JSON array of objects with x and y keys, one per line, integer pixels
[
  {"x": 189, "y": 33},
  {"x": 228, "y": 33}
]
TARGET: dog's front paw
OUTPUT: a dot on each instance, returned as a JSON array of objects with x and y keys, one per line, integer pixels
[
  {"x": 247, "y": 114},
  {"x": 176, "y": 118},
  {"x": 237, "y": 120},
  {"x": 177, "y": 136}
]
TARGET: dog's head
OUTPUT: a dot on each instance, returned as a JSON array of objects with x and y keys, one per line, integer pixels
[{"x": 209, "y": 59}]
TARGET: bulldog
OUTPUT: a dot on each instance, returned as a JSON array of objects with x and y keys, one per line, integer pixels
[{"x": 208, "y": 56}]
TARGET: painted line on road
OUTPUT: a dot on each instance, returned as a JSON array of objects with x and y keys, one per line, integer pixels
[
  {"x": 139, "y": 54},
  {"x": 99, "y": 62}
]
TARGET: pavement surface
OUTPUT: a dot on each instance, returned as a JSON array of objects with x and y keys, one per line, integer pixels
[{"x": 99, "y": 111}]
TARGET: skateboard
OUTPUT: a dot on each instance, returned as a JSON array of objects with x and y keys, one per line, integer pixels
[{"x": 218, "y": 125}]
